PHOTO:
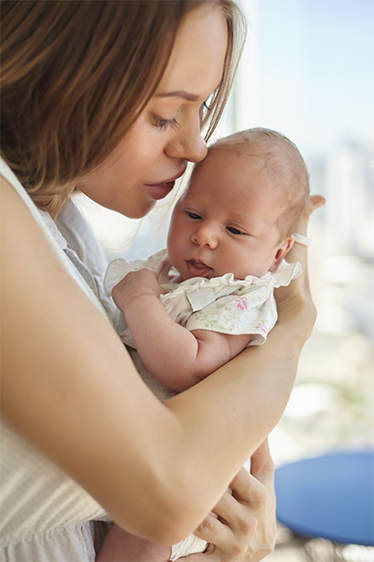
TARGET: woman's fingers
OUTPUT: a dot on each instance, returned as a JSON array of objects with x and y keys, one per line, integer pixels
[
  {"x": 245, "y": 529},
  {"x": 240, "y": 534},
  {"x": 227, "y": 543},
  {"x": 247, "y": 490},
  {"x": 262, "y": 464},
  {"x": 296, "y": 299},
  {"x": 251, "y": 488},
  {"x": 213, "y": 531},
  {"x": 315, "y": 202}
]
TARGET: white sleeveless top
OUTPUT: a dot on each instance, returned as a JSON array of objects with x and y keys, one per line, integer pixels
[{"x": 45, "y": 516}]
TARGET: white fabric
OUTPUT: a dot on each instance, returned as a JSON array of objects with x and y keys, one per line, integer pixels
[
  {"x": 55, "y": 239},
  {"x": 91, "y": 261},
  {"x": 222, "y": 304},
  {"x": 190, "y": 545},
  {"x": 45, "y": 515}
]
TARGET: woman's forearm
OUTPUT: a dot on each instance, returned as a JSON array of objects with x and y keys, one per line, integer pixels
[
  {"x": 243, "y": 400},
  {"x": 148, "y": 464},
  {"x": 225, "y": 418}
]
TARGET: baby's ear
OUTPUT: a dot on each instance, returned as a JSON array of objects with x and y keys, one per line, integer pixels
[{"x": 281, "y": 251}]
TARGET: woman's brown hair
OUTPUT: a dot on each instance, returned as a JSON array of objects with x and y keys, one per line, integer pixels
[{"x": 76, "y": 75}]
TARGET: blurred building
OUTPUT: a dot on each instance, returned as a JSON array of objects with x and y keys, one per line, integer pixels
[{"x": 349, "y": 189}]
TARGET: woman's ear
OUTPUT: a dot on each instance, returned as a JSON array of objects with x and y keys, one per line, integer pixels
[{"x": 281, "y": 251}]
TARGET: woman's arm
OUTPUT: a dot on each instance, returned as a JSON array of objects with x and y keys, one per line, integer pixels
[
  {"x": 177, "y": 357},
  {"x": 70, "y": 389}
]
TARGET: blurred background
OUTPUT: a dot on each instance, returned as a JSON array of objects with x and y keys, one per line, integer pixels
[{"x": 308, "y": 71}]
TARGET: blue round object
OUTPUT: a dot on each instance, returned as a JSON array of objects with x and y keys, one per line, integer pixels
[{"x": 330, "y": 497}]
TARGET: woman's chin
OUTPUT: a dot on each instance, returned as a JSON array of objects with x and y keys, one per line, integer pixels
[{"x": 138, "y": 212}]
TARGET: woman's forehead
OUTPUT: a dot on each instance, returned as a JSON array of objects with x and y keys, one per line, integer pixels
[{"x": 196, "y": 62}]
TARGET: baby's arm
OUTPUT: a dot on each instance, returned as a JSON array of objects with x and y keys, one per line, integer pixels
[{"x": 177, "y": 357}]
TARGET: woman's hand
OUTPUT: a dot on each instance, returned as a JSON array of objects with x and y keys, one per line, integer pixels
[
  {"x": 295, "y": 301},
  {"x": 136, "y": 285},
  {"x": 245, "y": 530}
]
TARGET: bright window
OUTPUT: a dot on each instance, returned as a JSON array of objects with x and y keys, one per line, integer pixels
[{"x": 308, "y": 71}]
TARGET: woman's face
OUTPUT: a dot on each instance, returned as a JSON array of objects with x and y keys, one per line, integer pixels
[{"x": 154, "y": 153}]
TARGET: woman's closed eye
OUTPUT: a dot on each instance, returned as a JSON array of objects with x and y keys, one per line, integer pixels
[
  {"x": 163, "y": 124},
  {"x": 204, "y": 110}
]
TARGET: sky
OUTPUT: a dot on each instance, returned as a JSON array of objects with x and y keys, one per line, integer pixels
[{"x": 313, "y": 69}]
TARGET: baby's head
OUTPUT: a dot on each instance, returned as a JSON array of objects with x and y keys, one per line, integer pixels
[
  {"x": 239, "y": 212},
  {"x": 282, "y": 165}
]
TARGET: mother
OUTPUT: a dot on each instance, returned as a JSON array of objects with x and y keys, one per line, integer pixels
[{"x": 110, "y": 97}]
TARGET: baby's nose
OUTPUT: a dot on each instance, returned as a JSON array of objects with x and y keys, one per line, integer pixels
[{"x": 206, "y": 236}]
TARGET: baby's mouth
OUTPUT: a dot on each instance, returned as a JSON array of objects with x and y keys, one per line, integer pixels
[{"x": 197, "y": 268}]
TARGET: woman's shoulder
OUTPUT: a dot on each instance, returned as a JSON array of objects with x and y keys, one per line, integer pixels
[
  {"x": 12, "y": 187},
  {"x": 14, "y": 210},
  {"x": 17, "y": 206}
]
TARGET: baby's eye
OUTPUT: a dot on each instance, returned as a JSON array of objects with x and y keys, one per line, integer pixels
[
  {"x": 234, "y": 230},
  {"x": 194, "y": 216}
]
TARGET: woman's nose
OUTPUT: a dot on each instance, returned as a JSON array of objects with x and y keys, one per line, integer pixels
[
  {"x": 205, "y": 236},
  {"x": 187, "y": 144}
]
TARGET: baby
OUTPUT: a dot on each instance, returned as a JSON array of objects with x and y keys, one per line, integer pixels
[{"x": 229, "y": 234}]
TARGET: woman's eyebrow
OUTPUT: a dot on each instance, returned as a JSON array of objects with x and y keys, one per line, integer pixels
[{"x": 178, "y": 94}]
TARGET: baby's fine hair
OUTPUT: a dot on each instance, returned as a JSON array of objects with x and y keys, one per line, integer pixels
[{"x": 282, "y": 159}]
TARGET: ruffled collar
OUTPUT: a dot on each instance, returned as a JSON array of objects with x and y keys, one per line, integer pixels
[
  {"x": 201, "y": 291},
  {"x": 282, "y": 276}
]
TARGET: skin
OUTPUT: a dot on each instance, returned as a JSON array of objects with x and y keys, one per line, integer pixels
[
  {"x": 214, "y": 230},
  {"x": 167, "y": 133},
  {"x": 86, "y": 438},
  {"x": 95, "y": 417},
  {"x": 226, "y": 222}
]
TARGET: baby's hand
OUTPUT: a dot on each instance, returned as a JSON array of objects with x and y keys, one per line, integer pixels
[
  {"x": 163, "y": 273},
  {"x": 135, "y": 285}
]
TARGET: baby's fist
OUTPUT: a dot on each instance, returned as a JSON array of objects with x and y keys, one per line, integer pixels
[{"x": 135, "y": 285}]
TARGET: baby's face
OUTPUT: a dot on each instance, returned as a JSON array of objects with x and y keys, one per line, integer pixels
[{"x": 226, "y": 222}]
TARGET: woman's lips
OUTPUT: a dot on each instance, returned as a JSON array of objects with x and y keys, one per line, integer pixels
[
  {"x": 159, "y": 190},
  {"x": 162, "y": 189},
  {"x": 197, "y": 268}
]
